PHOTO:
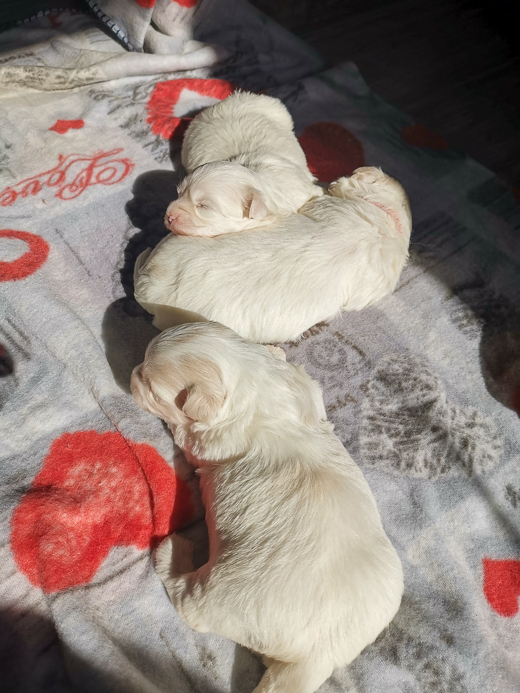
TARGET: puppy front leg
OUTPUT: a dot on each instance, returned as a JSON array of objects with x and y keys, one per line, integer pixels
[
  {"x": 173, "y": 557},
  {"x": 174, "y": 566}
]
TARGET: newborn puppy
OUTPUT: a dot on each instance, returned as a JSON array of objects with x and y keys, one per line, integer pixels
[
  {"x": 342, "y": 252},
  {"x": 300, "y": 568},
  {"x": 245, "y": 165}
]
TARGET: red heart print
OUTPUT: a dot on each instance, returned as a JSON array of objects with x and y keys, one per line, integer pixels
[
  {"x": 418, "y": 135},
  {"x": 502, "y": 585},
  {"x": 332, "y": 151},
  {"x": 63, "y": 126},
  {"x": 166, "y": 95},
  {"x": 95, "y": 491},
  {"x": 29, "y": 262}
]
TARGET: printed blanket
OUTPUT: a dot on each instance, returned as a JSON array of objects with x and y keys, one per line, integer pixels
[{"x": 423, "y": 387}]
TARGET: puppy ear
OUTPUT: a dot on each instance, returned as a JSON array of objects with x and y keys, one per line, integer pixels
[
  {"x": 257, "y": 207},
  {"x": 205, "y": 394}
]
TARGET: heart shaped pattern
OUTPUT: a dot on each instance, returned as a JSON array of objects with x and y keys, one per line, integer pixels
[
  {"x": 410, "y": 426},
  {"x": 95, "y": 491},
  {"x": 418, "y": 135},
  {"x": 502, "y": 585},
  {"x": 332, "y": 151},
  {"x": 165, "y": 96},
  {"x": 29, "y": 262},
  {"x": 63, "y": 126}
]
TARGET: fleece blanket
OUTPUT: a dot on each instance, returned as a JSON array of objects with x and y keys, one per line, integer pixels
[{"x": 423, "y": 387}]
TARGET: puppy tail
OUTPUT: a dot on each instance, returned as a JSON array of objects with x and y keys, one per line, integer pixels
[{"x": 305, "y": 676}]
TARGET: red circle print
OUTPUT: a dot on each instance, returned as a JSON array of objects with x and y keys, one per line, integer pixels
[
  {"x": 166, "y": 94},
  {"x": 146, "y": 4},
  {"x": 29, "y": 262},
  {"x": 332, "y": 151},
  {"x": 420, "y": 136},
  {"x": 94, "y": 491},
  {"x": 502, "y": 585}
]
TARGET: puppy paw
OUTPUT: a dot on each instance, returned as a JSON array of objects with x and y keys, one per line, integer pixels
[
  {"x": 340, "y": 187},
  {"x": 173, "y": 557},
  {"x": 277, "y": 352},
  {"x": 162, "y": 559}
]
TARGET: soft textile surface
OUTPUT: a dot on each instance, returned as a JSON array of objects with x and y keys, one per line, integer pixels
[
  {"x": 63, "y": 51},
  {"x": 424, "y": 387}
]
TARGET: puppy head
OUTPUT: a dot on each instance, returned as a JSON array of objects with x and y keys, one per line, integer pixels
[
  {"x": 220, "y": 197},
  {"x": 372, "y": 184},
  {"x": 205, "y": 378},
  {"x": 178, "y": 385}
]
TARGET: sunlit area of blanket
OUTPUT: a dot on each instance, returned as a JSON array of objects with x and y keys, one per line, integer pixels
[{"x": 423, "y": 387}]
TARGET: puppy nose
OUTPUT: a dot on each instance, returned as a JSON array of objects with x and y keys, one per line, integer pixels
[{"x": 170, "y": 218}]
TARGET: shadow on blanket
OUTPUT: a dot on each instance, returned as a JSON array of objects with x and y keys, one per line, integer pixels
[
  {"x": 127, "y": 327},
  {"x": 153, "y": 191},
  {"x": 30, "y": 643},
  {"x": 481, "y": 276}
]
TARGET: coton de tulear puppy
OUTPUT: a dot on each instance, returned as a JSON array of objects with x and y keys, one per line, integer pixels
[
  {"x": 342, "y": 252},
  {"x": 246, "y": 168},
  {"x": 300, "y": 568}
]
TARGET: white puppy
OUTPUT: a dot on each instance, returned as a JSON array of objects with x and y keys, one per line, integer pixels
[
  {"x": 342, "y": 252},
  {"x": 300, "y": 568},
  {"x": 245, "y": 165}
]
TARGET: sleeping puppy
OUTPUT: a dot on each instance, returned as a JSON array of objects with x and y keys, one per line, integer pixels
[
  {"x": 245, "y": 165},
  {"x": 342, "y": 252},
  {"x": 300, "y": 568}
]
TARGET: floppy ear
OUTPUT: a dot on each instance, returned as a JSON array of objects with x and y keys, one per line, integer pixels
[
  {"x": 205, "y": 395},
  {"x": 257, "y": 207}
]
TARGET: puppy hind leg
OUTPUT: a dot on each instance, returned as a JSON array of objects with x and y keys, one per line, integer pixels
[
  {"x": 305, "y": 676},
  {"x": 341, "y": 188}
]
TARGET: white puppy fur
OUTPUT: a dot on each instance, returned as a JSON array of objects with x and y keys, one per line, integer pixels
[
  {"x": 342, "y": 252},
  {"x": 300, "y": 568},
  {"x": 245, "y": 165}
]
